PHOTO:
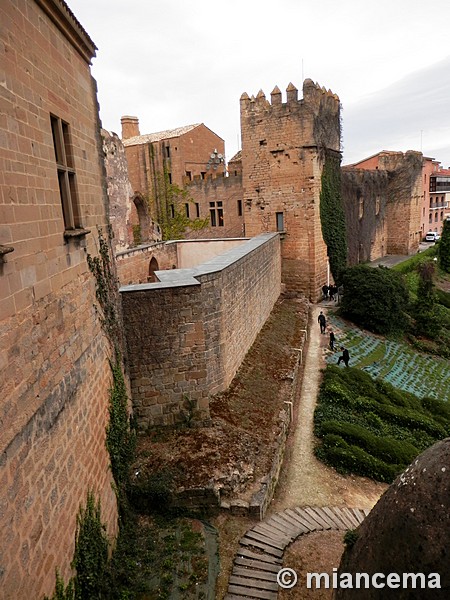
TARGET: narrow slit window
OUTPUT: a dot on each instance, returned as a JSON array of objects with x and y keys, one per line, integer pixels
[{"x": 280, "y": 221}]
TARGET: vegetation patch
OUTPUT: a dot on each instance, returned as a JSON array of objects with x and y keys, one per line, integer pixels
[
  {"x": 368, "y": 427},
  {"x": 375, "y": 298}
]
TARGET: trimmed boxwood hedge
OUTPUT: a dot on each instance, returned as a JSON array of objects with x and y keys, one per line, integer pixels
[{"x": 367, "y": 427}]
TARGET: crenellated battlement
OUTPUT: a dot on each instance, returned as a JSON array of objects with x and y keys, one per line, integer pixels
[{"x": 312, "y": 93}]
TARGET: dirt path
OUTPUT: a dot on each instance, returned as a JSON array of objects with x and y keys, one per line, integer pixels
[{"x": 305, "y": 480}]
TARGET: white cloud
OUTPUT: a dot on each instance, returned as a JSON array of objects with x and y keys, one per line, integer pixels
[{"x": 178, "y": 62}]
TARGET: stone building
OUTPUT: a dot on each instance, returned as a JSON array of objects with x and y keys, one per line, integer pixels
[
  {"x": 382, "y": 198},
  {"x": 191, "y": 156},
  {"x": 284, "y": 147},
  {"x": 436, "y": 196},
  {"x": 54, "y": 366}
]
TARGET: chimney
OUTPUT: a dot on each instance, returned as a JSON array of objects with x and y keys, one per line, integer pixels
[{"x": 130, "y": 127}]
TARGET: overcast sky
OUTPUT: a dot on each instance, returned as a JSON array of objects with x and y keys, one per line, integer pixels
[{"x": 178, "y": 62}]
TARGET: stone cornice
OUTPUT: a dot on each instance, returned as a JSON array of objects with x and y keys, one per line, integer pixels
[{"x": 64, "y": 19}]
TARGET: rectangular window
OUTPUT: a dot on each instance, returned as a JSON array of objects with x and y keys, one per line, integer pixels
[
  {"x": 187, "y": 209},
  {"x": 197, "y": 210},
  {"x": 189, "y": 175},
  {"x": 203, "y": 174},
  {"x": 280, "y": 221},
  {"x": 172, "y": 211},
  {"x": 216, "y": 214},
  {"x": 239, "y": 208},
  {"x": 169, "y": 176},
  {"x": 66, "y": 173},
  {"x": 167, "y": 148}
]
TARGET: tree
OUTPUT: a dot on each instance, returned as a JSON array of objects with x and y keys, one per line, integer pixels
[
  {"x": 444, "y": 247},
  {"x": 375, "y": 298},
  {"x": 168, "y": 204}
]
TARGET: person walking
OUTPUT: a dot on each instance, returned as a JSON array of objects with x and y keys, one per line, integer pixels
[
  {"x": 332, "y": 340},
  {"x": 325, "y": 289},
  {"x": 322, "y": 322},
  {"x": 344, "y": 357}
]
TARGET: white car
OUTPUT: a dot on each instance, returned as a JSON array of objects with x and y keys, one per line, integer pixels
[{"x": 432, "y": 236}]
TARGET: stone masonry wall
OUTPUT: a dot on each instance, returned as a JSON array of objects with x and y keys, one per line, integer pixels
[
  {"x": 228, "y": 191},
  {"x": 405, "y": 191},
  {"x": 187, "y": 335},
  {"x": 283, "y": 149},
  {"x": 133, "y": 265},
  {"x": 119, "y": 190},
  {"x": 54, "y": 369},
  {"x": 365, "y": 195}
]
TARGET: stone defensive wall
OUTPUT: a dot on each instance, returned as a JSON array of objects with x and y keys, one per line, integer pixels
[
  {"x": 188, "y": 333},
  {"x": 134, "y": 265}
]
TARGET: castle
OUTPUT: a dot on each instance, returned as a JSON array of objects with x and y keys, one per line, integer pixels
[{"x": 188, "y": 323}]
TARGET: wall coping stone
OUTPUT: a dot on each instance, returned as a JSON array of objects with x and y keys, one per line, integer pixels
[{"x": 173, "y": 278}]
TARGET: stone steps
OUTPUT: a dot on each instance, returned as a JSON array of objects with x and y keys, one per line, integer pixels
[{"x": 261, "y": 549}]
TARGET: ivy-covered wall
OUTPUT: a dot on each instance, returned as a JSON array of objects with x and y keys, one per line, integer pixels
[{"x": 332, "y": 215}]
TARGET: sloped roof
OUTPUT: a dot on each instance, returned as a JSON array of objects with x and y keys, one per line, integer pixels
[
  {"x": 236, "y": 157},
  {"x": 160, "y": 135}
]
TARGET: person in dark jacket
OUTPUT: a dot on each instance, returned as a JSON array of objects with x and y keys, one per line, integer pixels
[
  {"x": 332, "y": 340},
  {"x": 344, "y": 357},
  {"x": 322, "y": 322}
]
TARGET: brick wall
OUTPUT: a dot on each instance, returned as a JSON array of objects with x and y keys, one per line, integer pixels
[
  {"x": 187, "y": 335},
  {"x": 282, "y": 160},
  {"x": 54, "y": 370}
]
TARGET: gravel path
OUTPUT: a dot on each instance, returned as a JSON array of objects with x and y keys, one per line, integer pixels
[{"x": 305, "y": 480}]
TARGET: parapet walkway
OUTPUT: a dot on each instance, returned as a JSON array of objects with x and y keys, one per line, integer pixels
[{"x": 261, "y": 549}]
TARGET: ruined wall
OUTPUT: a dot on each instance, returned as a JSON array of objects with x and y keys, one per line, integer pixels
[
  {"x": 54, "y": 369},
  {"x": 405, "y": 193},
  {"x": 403, "y": 190},
  {"x": 365, "y": 196},
  {"x": 283, "y": 149},
  {"x": 119, "y": 190},
  {"x": 187, "y": 335}
]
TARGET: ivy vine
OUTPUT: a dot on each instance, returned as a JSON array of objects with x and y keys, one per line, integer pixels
[
  {"x": 90, "y": 559},
  {"x": 332, "y": 216},
  {"x": 106, "y": 289}
]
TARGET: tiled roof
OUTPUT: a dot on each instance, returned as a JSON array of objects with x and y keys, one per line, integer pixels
[
  {"x": 236, "y": 157},
  {"x": 160, "y": 135}
]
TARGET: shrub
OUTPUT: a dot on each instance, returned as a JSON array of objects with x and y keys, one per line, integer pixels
[
  {"x": 387, "y": 449},
  {"x": 370, "y": 428},
  {"x": 375, "y": 298}
]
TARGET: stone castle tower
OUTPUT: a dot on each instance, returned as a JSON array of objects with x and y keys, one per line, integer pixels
[{"x": 284, "y": 146}]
